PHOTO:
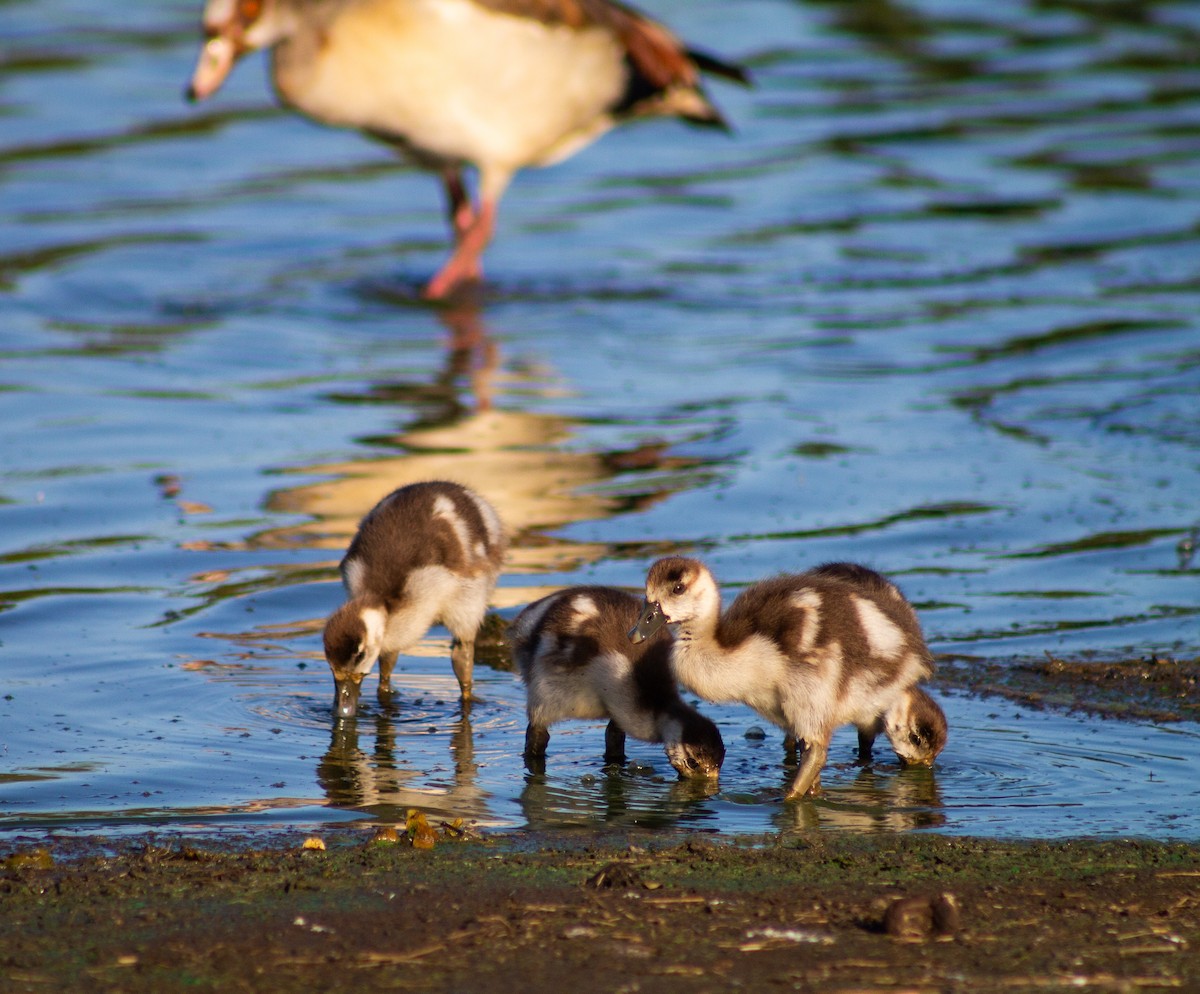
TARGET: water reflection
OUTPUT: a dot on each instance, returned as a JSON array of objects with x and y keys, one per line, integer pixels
[
  {"x": 571, "y": 793},
  {"x": 464, "y": 385},
  {"x": 467, "y": 430},
  {"x": 466, "y": 424},
  {"x": 616, "y": 797},
  {"x": 874, "y": 801},
  {"x": 384, "y": 784},
  {"x": 881, "y": 794}
]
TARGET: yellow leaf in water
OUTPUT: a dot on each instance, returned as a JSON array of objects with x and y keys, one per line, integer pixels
[
  {"x": 420, "y": 833},
  {"x": 193, "y": 507},
  {"x": 386, "y": 834},
  {"x": 35, "y": 859}
]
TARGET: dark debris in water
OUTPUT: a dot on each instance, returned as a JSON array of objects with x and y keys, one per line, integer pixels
[
  {"x": 491, "y": 644},
  {"x": 1151, "y": 688}
]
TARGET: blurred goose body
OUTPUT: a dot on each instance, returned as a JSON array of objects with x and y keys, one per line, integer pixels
[
  {"x": 500, "y": 85},
  {"x": 427, "y": 552},
  {"x": 577, "y": 662},
  {"x": 836, "y": 645}
]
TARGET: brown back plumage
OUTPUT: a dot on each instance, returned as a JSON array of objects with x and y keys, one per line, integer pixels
[
  {"x": 603, "y": 632},
  {"x": 770, "y": 609},
  {"x": 657, "y": 61},
  {"x": 401, "y": 534},
  {"x": 563, "y": 637}
]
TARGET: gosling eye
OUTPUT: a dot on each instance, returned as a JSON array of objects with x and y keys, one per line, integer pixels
[
  {"x": 679, "y": 588},
  {"x": 914, "y": 738}
]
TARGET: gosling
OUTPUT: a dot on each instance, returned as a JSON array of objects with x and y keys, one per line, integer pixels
[
  {"x": 810, "y": 652},
  {"x": 426, "y": 553},
  {"x": 576, "y": 662}
]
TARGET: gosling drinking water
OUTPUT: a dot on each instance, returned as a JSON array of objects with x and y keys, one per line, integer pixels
[{"x": 427, "y": 552}]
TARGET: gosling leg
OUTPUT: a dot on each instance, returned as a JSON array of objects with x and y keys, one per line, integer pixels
[
  {"x": 387, "y": 663},
  {"x": 537, "y": 737},
  {"x": 866, "y": 741},
  {"x": 462, "y": 658},
  {"x": 614, "y": 745},
  {"x": 808, "y": 777}
]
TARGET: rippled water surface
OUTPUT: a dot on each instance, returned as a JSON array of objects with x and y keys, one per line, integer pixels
[{"x": 934, "y": 306}]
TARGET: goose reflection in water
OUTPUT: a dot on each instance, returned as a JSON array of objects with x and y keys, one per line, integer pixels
[
  {"x": 521, "y": 460},
  {"x": 379, "y": 783},
  {"x": 891, "y": 799},
  {"x": 617, "y": 797}
]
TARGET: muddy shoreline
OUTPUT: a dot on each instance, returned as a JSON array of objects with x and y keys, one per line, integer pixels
[
  {"x": 1155, "y": 688},
  {"x": 601, "y": 913}
]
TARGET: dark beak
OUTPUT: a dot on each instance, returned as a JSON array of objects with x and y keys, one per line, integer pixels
[
  {"x": 651, "y": 621},
  {"x": 345, "y": 701}
]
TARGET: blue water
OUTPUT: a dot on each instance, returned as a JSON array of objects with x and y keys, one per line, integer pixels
[{"x": 934, "y": 306}]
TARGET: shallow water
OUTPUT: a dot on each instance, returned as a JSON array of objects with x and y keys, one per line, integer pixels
[{"x": 934, "y": 306}]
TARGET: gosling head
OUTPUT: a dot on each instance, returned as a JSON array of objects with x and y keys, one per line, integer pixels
[
  {"x": 699, "y": 751},
  {"x": 353, "y": 637},
  {"x": 916, "y": 727},
  {"x": 677, "y": 591}
]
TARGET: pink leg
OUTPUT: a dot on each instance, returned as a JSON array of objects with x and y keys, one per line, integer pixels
[
  {"x": 458, "y": 203},
  {"x": 465, "y": 264}
]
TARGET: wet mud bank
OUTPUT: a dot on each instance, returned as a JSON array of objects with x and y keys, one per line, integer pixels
[
  {"x": 619, "y": 913},
  {"x": 1154, "y": 688}
]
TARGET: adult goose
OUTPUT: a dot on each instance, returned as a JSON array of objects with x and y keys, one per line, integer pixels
[{"x": 499, "y": 85}]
